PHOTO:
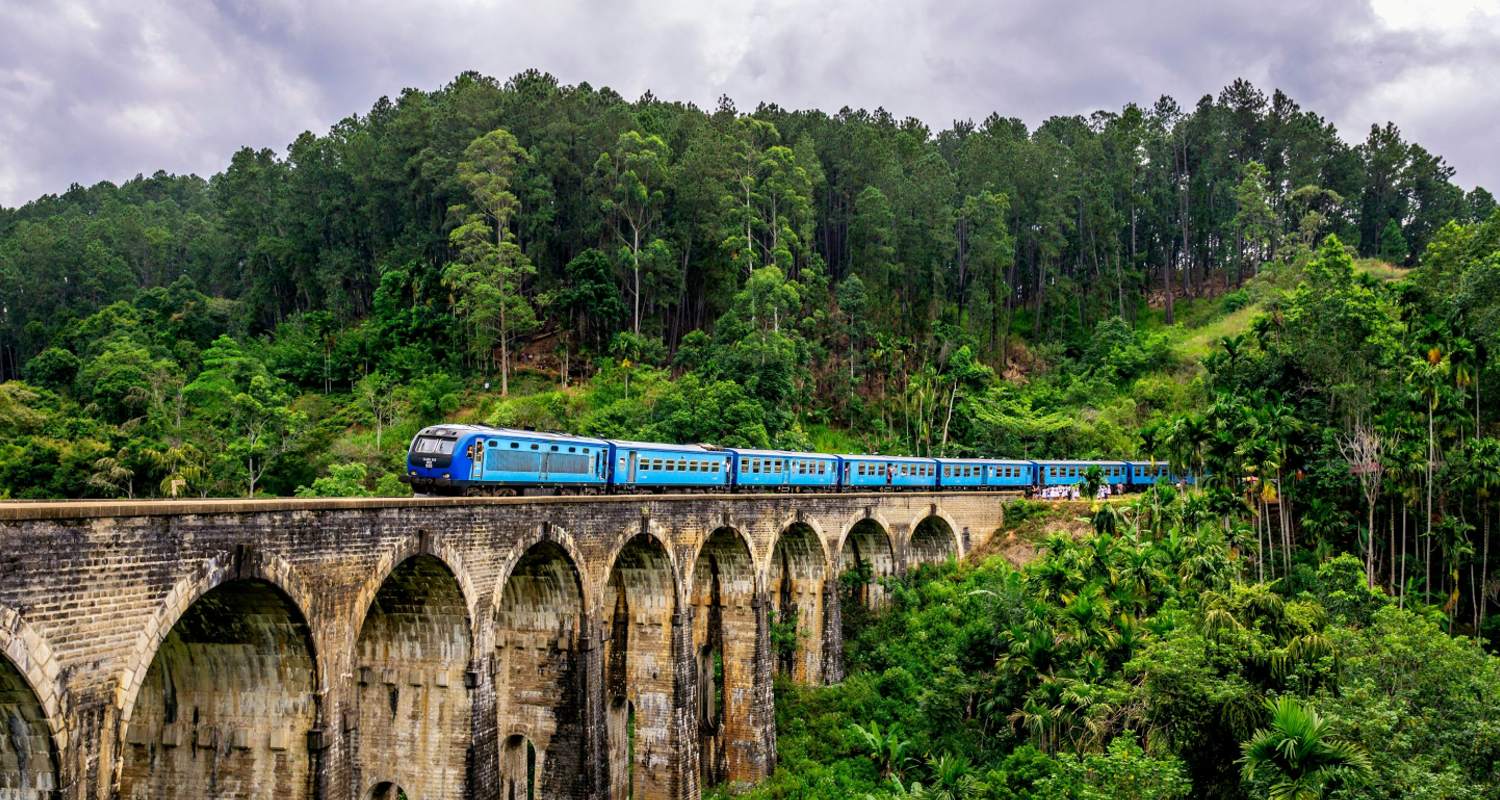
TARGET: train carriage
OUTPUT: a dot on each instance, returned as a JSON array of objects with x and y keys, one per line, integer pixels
[
  {"x": 984, "y": 473},
  {"x": 478, "y": 459},
  {"x": 962, "y": 473},
  {"x": 1144, "y": 474},
  {"x": 888, "y": 472},
  {"x": 1004, "y": 474},
  {"x": 1072, "y": 473},
  {"x": 784, "y": 470},
  {"x": 647, "y": 465}
]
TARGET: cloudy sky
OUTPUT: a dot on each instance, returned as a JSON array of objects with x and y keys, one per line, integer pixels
[{"x": 101, "y": 90}]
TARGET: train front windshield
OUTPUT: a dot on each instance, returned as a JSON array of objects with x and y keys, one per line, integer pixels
[{"x": 431, "y": 445}]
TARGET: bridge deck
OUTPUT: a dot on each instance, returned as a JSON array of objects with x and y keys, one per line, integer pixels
[{"x": 29, "y": 510}]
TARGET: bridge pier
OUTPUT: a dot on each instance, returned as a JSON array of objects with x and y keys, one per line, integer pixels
[{"x": 586, "y": 648}]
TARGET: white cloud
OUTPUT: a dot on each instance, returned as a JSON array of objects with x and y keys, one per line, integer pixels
[{"x": 98, "y": 90}]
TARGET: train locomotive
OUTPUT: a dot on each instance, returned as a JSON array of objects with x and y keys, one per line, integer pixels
[{"x": 477, "y": 460}]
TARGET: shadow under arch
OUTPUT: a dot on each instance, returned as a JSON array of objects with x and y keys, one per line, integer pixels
[
  {"x": 641, "y": 605},
  {"x": 242, "y": 563},
  {"x": 419, "y": 543},
  {"x": 235, "y": 676},
  {"x": 867, "y": 555},
  {"x": 34, "y": 744},
  {"x": 796, "y": 580},
  {"x": 540, "y": 681},
  {"x": 727, "y": 635},
  {"x": 934, "y": 540},
  {"x": 386, "y": 790},
  {"x": 411, "y": 662},
  {"x": 520, "y": 767}
]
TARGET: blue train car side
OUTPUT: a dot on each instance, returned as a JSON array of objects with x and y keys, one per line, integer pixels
[
  {"x": 962, "y": 473},
  {"x": 1069, "y": 473},
  {"x": 783, "y": 470},
  {"x": 984, "y": 473},
  {"x": 889, "y": 472},
  {"x": 646, "y": 465},
  {"x": 1011, "y": 474},
  {"x": 465, "y": 459},
  {"x": 1144, "y": 474}
]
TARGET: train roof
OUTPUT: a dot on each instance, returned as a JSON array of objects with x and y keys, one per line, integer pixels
[
  {"x": 676, "y": 448},
  {"x": 878, "y": 457},
  {"x": 1076, "y": 463},
  {"x": 1005, "y": 461},
  {"x": 780, "y": 453},
  {"x": 516, "y": 433}
]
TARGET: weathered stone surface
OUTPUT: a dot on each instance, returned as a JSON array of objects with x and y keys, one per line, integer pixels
[{"x": 454, "y": 648}]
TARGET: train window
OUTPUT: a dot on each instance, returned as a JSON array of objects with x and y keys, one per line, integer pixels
[
  {"x": 535, "y": 447},
  {"x": 572, "y": 449},
  {"x": 515, "y": 445},
  {"x": 554, "y": 448}
]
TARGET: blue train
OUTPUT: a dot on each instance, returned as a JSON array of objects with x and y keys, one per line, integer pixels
[{"x": 480, "y": 460}]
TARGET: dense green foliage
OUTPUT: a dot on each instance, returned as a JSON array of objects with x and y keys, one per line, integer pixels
[
  {"x": 786, "y": 278},
  {"x": 1146, "y": 665}
]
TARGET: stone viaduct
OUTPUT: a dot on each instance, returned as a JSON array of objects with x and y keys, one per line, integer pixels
[{"x": 430, "y": 648}]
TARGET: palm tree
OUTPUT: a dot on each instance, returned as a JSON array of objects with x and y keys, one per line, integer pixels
[
  {"x": 1299, "y": 755},
  {"x": 1430, "y": 376},
  {"x": 886, "y": 748},
  {"x": 1487, "y": 464},
  {"x": 1279, "y": 422}
]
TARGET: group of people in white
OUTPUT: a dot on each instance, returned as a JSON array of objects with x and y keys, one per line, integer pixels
[{"x": 1073, "y": 492}]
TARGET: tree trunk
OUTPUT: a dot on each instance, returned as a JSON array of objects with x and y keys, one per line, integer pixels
[
  {"x": 1484, "y": 573},
  {"x": 635, "y": 255},
  {"x": 1401, "y": 584},
  {"x": 1427, "y": 550}
]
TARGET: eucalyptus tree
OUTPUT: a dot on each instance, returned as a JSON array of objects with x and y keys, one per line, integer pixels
[
  {"x": 487, "y": 276},
  {"x": 634, "y": 177}
]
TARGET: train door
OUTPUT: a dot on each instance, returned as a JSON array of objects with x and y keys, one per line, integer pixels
[{"x": 634, "y": 457}]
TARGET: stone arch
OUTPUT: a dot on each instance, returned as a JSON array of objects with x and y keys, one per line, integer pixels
[
  {"x": 386, "y": 790},
  {"x": 411, "y": 659},
  {"x": 727, "y": 634},
  {"x": 866, "y": 544},
  {"x": 539, "y": 666},
  {"x": 242, "y": 563},
  {"x": 796, "y": 576},
  {"x": 419, "y": 543},
  {"x": 559, "y": 537},
  {"x": 933, "y": 539},
  {"x": 640, "y": 606},
  {"x": 521, "y": 766},
  {"x": 30, "y": 725},
  {"x": 227, "y": 706}
]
